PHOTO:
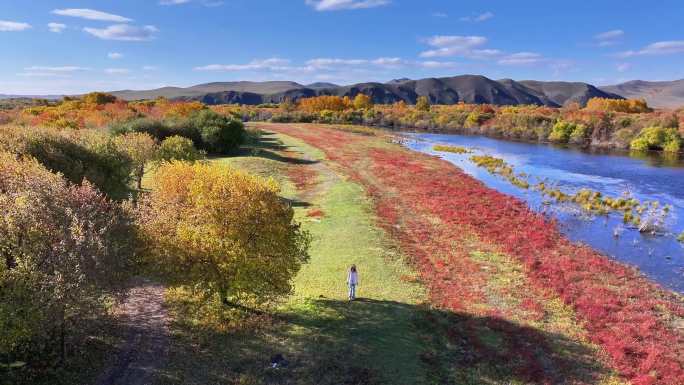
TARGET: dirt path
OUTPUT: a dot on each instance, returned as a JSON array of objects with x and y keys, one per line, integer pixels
[{"x": 147, "y": 337}]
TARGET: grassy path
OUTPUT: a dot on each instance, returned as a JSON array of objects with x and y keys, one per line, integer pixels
[
  {"x": 327, "y": 339},
  {"x": 497, "y": 325}
]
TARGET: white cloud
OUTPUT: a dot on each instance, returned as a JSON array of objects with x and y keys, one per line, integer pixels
[
  {"x": 329, "y": 62},
  {"x": 272, "y": 64},
  {"x": 150, "y": 68},
  {"x": 322, "y": 66},
  {"x": 115, "y": 55},
  {"x": 609, "y": 38},
  {"x": 465, "y": 46},
  {"x": 440, "y": 14},
  {"x": 478, "y": 18},
  {"x": 206, "y": 3},
  {"x": 623, "y": 67},
  {"x": 44, "y": 75},
  {"x": 13, "y": 26},
  {"x": 522, "y": 58},
  {"x": 610, "y": 35},
  {"x": 335, "y": 5},
  {"x": 117, "y": 71},
  {"x": 388, "y": 62},
  {"x": 437, "y": 64},
  {"x": 336, "y": 63},
  {"x": 124, "y": 32},
  {"x": 56, "y": 27},
  {"x": 91, "y": 14},
  {"x": 55, "y": 69},
  {"x": 173, "y": 2},
  {"x": 658, "y": 48}
]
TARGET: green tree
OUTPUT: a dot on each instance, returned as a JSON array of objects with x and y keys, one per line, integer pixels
[
  {"x": 178, "y": 148},
  {"x": 78, "y": 155},
  {"x": 562, "y": 131},
  {"x": 141, "y": 148},
  {"x": 222, "y": 231},
  {"x": 423, "y": 104},
  {"x": 219, "y": 134},
  {"x": 98, "y": 98},
  {"x": 658, "y": 138}
]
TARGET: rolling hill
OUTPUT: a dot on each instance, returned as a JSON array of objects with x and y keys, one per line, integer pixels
[
  {"x": 669, "y": 94},
  {"x": 448, "y": 90}
]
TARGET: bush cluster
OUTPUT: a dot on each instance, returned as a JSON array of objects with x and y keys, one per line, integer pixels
[
  {"x": 71, "y": 234},
  {"x": 209, "y": 131},
  {"x": 603, "y": 123}
]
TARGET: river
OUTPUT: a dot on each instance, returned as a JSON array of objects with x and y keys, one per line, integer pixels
[{"x": 660, "y": 257}]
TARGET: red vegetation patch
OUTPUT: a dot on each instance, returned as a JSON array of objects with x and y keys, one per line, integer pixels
[
  {"x": 303, "y": 176},
  {"x": 629, "y": 316},
  {"x": 315, "y": 213}
]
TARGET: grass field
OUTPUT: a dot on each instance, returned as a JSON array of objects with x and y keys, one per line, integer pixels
[
  {"x": 444, "y": 298},
  {"x": 327, "y": 339}
]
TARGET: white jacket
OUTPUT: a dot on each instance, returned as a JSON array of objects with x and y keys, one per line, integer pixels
[{"x": 353, "y": 278}]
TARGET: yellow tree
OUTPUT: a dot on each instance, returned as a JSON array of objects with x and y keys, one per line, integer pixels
[
  {"x": 362, "y": 101},
  {"x": 141, "y": 148},
  {"x": 423, "y": 104},
  {"x": 222, "y": 231}
]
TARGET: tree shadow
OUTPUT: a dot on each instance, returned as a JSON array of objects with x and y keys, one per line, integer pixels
[
  {"x": 268, "y": 146},
  {"x": 296, "y": 202},
  {"x": 369, "y": 342}
]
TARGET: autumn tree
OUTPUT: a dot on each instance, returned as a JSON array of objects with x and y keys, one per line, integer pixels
[
  {"x": 287, "y": 105},
  {"x": 178, "y": 148},
  {"x": 62, "y": 247},
  {"x": 423, "y": 104},
  {"x": 222, "y": 231},
  {"x": 141, "y": 148},
  {"x": 631, "y": 106},
  {"x": 98, "y": 98},
  {"x": 77, "y": 155},
  {"x": 362, "y": 101},
  {"x": 323, "y": 103}
]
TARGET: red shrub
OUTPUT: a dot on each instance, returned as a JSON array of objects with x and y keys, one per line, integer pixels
[{"x": 622, "y": 311}]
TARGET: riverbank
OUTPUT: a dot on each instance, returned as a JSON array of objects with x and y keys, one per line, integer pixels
[
  {"x": 445, "y": 220},
  {"x": 630, "y": 125},
  {"x": 551, "y": 181}
]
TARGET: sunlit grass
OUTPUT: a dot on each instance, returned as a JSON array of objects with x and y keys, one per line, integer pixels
[{"x": 327, "y": 339}]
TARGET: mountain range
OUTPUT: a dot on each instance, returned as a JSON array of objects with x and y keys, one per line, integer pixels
[
  {"x": 448, "y": 90},
  {"x": 669, "y": 94}
]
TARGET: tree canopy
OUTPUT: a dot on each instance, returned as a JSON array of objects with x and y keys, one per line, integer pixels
[{"x": 223, "y": 231}]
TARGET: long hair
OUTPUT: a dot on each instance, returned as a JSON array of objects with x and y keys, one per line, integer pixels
[{"x": 353, "y": 268}]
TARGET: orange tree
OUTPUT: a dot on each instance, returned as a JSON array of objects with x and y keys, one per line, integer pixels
[{"x": 223, "y": 232}]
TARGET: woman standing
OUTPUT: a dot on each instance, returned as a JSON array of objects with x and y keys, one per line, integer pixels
[{"x": 352, "y": 281}]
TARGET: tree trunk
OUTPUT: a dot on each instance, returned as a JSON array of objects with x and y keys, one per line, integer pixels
[
  {"x": 141, "y": 172},
  {"x": 62, "y": 338}
]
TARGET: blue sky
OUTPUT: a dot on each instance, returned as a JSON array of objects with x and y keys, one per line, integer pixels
[{"x": 66, "y": 46}]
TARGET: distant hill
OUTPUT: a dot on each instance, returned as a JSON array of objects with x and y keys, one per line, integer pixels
[
  {"x": 658, "y": 94},
  {"x": 49, "y": 97},
  {"x": 319, "y": 85},
  {"x": 448, "y": 90},
  {"x": 264, "y": 88}
]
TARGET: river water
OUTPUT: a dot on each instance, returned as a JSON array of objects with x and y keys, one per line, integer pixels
[{"x": 660, "y": 257}]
